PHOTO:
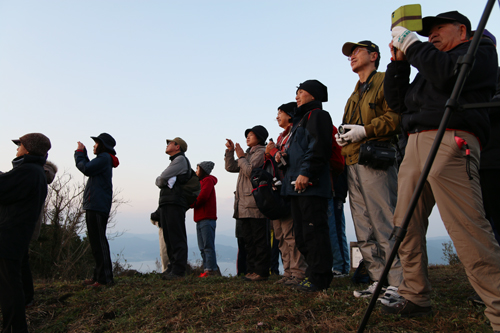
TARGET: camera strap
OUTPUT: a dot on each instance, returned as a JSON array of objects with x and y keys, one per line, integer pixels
[{"x": 364, "y": 87}]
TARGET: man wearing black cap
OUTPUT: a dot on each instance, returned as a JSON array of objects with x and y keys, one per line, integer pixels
[
  {"x": 453, "y": 182},
  {"x": 173, "y": 208},
  {"x": 307, "y": 182},
  {"x": 22, "y": 194},
  {"x": 372, "y": 188}
]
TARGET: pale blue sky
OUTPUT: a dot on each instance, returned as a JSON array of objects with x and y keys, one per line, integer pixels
[{"x": 145, "y": 71}]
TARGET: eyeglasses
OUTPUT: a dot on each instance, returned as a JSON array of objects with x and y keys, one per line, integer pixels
[{"x": 355, "y": 52}]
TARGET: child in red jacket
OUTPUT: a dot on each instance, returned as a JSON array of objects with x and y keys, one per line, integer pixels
[{"x": 205, "y": 216}]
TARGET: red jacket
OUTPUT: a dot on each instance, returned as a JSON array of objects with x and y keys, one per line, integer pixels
[{"x": 205, "y": 207}]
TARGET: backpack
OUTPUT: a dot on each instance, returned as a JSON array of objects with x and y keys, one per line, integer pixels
[
  {"x": 190, "y": 185},
  {"x": 267, "y": 191}
]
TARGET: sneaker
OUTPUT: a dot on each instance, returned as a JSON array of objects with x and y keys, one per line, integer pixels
[
  {"x": 88, "y": 282},
  {"x": 95, "y": 285},
  {"x": 368, "y": 292},
  {"x": 293, "y": 281},
  {"x": 337, "y": 274},
  {"x": 306, "y": 286},
  {"x": 204, "y": 274},
  {"x": 391, "y": 296},
  {"x": 283, "y": 280},
  {"x": 408, "y": 309}
]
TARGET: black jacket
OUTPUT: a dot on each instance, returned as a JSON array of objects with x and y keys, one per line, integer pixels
[
  {"x": 174, "y": 196},
  {"x": 422, "y": 103},
  {"x": 22, "y": 194},
  {"x": 309, "y": 150},
  {"x": 490, "y": 155},
  {"x": 98, "y": 194}
]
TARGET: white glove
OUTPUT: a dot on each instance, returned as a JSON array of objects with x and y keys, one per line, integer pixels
[
  {"x": 402, "y": 38},
  {"x": 341, "y": 142},
  {"x": 356, "y": 133}
]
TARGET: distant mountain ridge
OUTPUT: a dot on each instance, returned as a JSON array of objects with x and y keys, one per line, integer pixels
[{"x": 145, "y": 247}]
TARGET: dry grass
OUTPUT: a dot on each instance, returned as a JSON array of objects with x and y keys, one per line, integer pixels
[{"x": 148, "y": 304}]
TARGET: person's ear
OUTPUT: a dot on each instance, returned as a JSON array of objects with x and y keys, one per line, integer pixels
[
  {"x": 463, "y": 32},
  {"x": 373, "y": 56}
]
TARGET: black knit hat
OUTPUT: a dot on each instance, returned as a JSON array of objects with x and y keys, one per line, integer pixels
[
  {"x": 429, "y": 22},
  {"x": 35, "y": 143},
  {"x": 317, "y": 89},
  {"x": 260, "y": 132},
  {"x": 107, "y": 140},
  {"x": 288, "y": 108}
]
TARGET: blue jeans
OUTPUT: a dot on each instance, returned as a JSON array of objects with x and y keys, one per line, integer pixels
[
  {"x": 205, "y": 230},
  {"x": 336, "y": 224}
]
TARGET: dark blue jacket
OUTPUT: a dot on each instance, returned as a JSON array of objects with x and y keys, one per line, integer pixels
[
  {"x": 98, "y": 193},
  {"x": 309, "y": 150},
  {"x": 22, "y": 194},
  {"x": 422, "y": 104}
]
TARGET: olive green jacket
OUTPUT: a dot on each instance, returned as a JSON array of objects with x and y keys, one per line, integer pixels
[{"x": 380, "y": 122}]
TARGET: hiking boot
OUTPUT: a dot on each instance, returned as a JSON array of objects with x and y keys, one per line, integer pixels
[
  {"x": 407, "y": 309},
  {"x": 391, "y": 296},
  {"x": 337, "y": 274},
  {"x": 475, "y": 299},
  {"x": 293, "y": 281},
  {"x": 256, "y": 277},
  {"x": 283, "y": 280},
  {"x": 306, "y": 286},
  {"x": 368, "y": 292},
  {"x": 88, "y": 282},
  {"x": 171, "y": 276},
  {"x": 247, "y": 276}
]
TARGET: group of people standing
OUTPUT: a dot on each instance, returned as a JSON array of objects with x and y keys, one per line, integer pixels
[{"x": 384, "y": 110}]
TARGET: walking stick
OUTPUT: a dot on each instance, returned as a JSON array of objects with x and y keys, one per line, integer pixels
[{"x": 465, "y": 64}]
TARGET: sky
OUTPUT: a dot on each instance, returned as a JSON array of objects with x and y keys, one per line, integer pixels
[{"x": 147, "y": 71}]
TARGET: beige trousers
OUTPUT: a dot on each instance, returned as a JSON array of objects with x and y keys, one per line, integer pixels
[
  {"x": 163, "y": 251},
  {"x": 372, "y": 198},
  {"x": 294, "y": 263},
  {"x": 461, "y": 208}
]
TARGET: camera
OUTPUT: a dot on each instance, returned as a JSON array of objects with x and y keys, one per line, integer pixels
[{"x": 343, "y": 130}]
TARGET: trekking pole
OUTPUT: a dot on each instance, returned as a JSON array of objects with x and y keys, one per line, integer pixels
[{"x": 465, "y": 64}]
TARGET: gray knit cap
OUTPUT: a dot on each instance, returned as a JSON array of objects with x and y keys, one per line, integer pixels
[
  {"x": 207, "y": 166},
  {"x": 35, "y": 143}
]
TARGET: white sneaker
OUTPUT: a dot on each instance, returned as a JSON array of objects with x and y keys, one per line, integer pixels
[
  {"x": 391, "y": 297},
  {"x": 367, "y": 292}
]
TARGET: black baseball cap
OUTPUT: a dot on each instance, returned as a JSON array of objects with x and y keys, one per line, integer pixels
[
  {"x": 349, "y": 46},
  {"x": 429, "y": 22}
]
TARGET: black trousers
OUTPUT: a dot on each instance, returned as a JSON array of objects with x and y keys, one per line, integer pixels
[
  {"x": 312, "y": 237},
  {"x": 27, "y": 279},
  {"x": 12, "y": 296},
  {"x": 241, "y": 259},
  {"x": 490, "y": 185},
  {"x": 173, "y": 223},
  {"x": 96, "y": 229},
  {"x": 257, "y": 246}
]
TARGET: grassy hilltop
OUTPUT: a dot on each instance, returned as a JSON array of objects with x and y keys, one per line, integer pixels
[{"x": 220, "y": 304}]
